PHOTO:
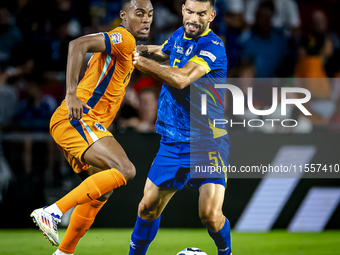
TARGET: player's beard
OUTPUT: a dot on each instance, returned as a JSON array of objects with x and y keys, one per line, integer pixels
[
  {"x": 143, "y": 38},
  {"x": 200, "y": 30}
]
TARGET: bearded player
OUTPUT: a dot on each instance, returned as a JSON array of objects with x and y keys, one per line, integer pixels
[
  {"x": 79, "y": 125},
  {"x": 188, "y": 137}
]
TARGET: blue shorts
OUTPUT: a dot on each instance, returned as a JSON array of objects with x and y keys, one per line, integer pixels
[{"x": 177, "y": 162}]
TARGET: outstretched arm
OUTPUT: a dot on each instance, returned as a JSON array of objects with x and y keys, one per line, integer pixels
[
  {"x": 175, "y": 77},
  {"x": 76, "y": 53}
]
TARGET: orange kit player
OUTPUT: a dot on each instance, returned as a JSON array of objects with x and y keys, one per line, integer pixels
[{"x": 79, "y": 125}]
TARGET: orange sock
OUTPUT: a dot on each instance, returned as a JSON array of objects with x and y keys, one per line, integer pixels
[
  {"x": 91, "y": 188},
  {"x": 81, "y": 220}
]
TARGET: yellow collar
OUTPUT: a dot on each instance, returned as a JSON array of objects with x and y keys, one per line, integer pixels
[{"x": 204, "y": 34}]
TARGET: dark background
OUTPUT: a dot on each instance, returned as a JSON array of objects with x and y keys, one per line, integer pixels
[{"x": 28, "y": 192}]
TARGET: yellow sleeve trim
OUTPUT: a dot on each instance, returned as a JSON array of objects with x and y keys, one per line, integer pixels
[
  {"x": 164, "y": 43},
  {"x": 201, "y": 62},
  {"x": 163, "y": 46}
]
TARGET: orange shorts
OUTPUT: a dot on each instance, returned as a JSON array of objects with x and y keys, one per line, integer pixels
[{"x": 75, "y": 137}]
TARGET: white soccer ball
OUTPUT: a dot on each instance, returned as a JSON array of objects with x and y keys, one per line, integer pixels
[{"x": 191, "y": 251}]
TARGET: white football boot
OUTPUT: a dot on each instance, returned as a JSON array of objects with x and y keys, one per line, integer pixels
[
  {"x": 57, "y": 252},
  {"x": 47, "y": 223}
]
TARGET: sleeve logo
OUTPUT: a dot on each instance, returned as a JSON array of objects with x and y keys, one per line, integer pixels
[
  {"x": 216, "y": 42},
  {"x": 208, "y": 54},
  {"x": 116, "y": 38}
]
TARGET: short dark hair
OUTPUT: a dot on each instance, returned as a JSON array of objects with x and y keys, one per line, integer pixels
[
  {"x": 212, "y": 2},
  {"x": 124, "y": 3}
]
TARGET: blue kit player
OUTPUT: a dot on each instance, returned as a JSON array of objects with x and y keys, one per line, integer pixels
[{"x": 197, "y": 61}]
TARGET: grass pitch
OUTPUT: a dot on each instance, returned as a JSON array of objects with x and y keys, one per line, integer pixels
[{"x": 171, "y": 241}]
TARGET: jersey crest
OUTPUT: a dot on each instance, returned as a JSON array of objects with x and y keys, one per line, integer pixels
[{"x": 187, "y": 53}]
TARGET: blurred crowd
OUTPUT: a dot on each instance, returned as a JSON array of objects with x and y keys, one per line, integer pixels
[{"x": 263, "y": 39}]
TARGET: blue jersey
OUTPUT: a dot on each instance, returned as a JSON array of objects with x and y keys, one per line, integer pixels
[{"x": 179, "y": 110}]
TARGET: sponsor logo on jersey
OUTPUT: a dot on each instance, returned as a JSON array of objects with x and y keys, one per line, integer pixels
[
  {"x": 187, "y": 53},
  {"x": 116, "y": 38},
  {"x": 215, "y": 42},
  {"x": 100, "y": 127},
  {"x": 208, "y": 54}
]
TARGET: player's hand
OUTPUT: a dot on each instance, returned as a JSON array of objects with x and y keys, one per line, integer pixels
[
  {"x": 142, "y": 49},
  {"x": 135, "y": 57},
  {"x": 75, "y": 107}
]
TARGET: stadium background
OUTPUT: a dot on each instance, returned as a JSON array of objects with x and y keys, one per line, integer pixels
[{"x": 33, "y": 49}]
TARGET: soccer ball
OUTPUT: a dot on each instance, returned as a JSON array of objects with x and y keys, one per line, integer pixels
[{"x": 191, "y": 251}]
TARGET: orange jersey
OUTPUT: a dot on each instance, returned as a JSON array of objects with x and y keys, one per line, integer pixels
[
  {"x": 107, "y": 75},
  {"x": 103, "y": 89},
  {"x": 312, "y": 67}
]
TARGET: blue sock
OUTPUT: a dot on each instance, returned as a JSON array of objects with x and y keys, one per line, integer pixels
[
  {"x": 142, "y": 235},
  {"x": 222, "y": 239}
]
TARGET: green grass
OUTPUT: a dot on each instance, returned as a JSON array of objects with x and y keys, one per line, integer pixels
[{"x": 171, "y": 241}]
